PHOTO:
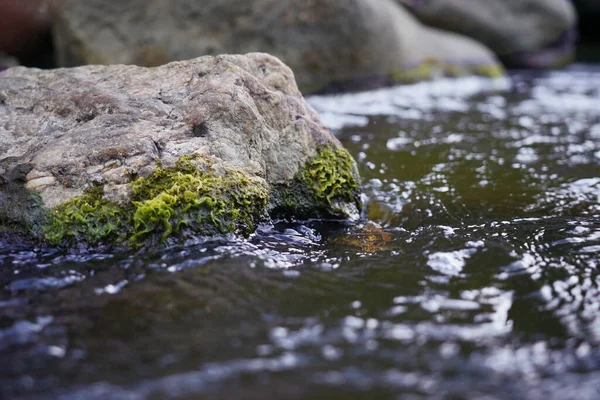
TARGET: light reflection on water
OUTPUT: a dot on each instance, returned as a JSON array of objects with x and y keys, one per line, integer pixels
[{"x": 474, "y": 272}]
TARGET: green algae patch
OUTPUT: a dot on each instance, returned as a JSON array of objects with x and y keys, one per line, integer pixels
[
  {"x": 88, "y": 218},
  {"x": 330, "y": 175},
  {"x": 188, "y": 197},
  {"x": 490, "y": 71},
  {"x": 432, "y": 68},
  {"x": 322, "y": 188},
  {"x": 192, "y": 196}
]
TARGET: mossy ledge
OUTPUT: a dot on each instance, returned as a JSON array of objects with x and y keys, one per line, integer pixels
[
  {"x": 87, "y": 218},
  {"x": 189, "y": 198},
  {"x": 325, "y": 187}
]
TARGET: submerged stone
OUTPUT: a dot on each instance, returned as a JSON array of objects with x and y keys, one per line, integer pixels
[{"x": 132, "y": 156}]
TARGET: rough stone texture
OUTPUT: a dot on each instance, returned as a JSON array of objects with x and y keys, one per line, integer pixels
[
  {"x": 63, "y": 131},
  {"x": 524, "y": 33},
  {"x": 324, "y": 41}
]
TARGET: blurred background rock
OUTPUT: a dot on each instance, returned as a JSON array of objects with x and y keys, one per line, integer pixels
[
  {"x": 330, "y": 44},
  {"x": 523, "y": 33}
]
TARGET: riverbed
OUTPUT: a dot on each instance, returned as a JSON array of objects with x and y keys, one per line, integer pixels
[{"x": 472, "y": 273}]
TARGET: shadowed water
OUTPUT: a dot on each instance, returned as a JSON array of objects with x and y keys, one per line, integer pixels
[{"x": 473, "y": 274}]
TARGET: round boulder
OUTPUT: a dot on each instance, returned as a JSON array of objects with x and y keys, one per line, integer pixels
[{"x": 130, "y": 156}]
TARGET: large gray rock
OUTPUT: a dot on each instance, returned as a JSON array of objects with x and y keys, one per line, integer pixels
[
  {"x": 524, "y": 33},
  {"x": 128, "y": 154},
  {"x": 325, "y": 42}
]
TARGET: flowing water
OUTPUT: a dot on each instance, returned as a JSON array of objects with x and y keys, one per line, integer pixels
[{"x": 474, "y": 272}]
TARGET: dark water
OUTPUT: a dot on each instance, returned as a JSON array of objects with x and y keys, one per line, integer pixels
[{"x": 473, "y": 274}]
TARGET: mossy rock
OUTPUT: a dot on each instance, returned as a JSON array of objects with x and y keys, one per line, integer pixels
[
  {"x": 87, "y": 218},
  {"x": 324, "y": 188},
  {"x": 191, "y": 199},
  {"x": 191, "y": 195},
  {"x": 135, "y": 156}
]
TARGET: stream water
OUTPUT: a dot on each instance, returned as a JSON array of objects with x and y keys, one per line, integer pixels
[{"x": 474, "y": 273}]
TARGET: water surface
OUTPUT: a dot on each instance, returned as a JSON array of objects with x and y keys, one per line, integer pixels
[{"x": 474, "y": 272}]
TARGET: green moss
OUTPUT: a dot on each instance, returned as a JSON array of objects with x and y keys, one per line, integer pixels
[
  {"x": 186, "y": 196},
  {"x": 423, "y": 71},
  {"x": 330, "y": 175},
  {"x": 87, "y": 218},
  {"x": 191, "y": 198},
  {"x": 321, "y": 189},
  {"x": 430, "y": 68},
  {"x": 490, "y": 71},
  {"x": 190, "y": 195}
]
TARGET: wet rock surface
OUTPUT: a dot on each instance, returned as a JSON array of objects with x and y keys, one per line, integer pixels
[
  {"x": 333, "y": 43},
  {"x": 524, "y": 33},
  {"x": 107, "y": 148}
]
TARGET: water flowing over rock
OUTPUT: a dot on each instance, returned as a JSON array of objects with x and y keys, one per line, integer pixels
[
  {"x": 524, "y": 33},
  {"x": 132, "y": 155},
  {"x": 329, "y": 44}
]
